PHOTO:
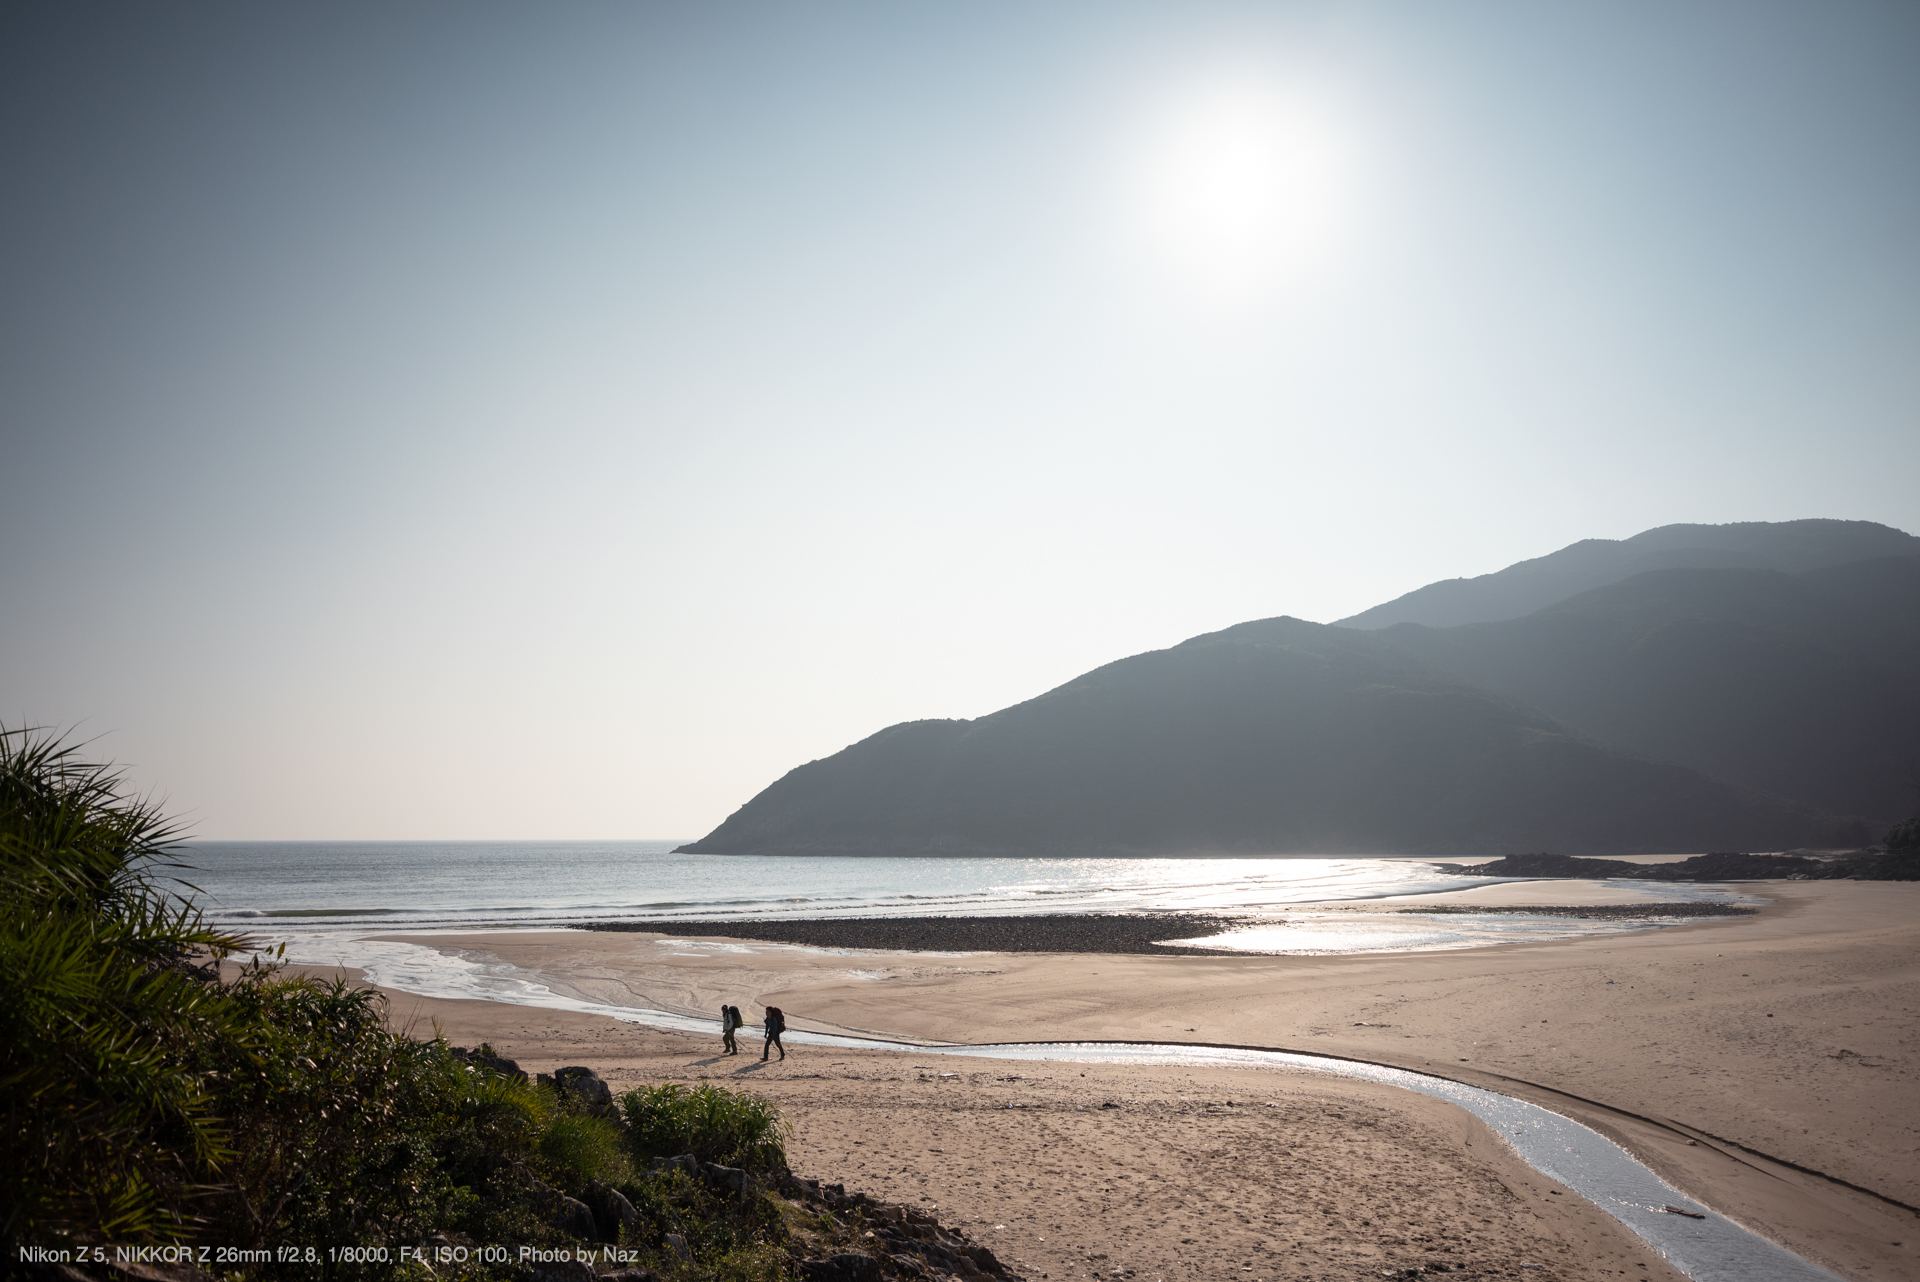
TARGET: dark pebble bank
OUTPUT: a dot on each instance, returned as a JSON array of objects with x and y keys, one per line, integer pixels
[
  {"x": 1115, "y": 933},
  {"x": 1600, "y": 912}
]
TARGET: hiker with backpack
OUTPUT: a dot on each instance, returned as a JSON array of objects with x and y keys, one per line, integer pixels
[
  {"x": 729, "y": 1020},
  {"x": 776, "y": 1024}
]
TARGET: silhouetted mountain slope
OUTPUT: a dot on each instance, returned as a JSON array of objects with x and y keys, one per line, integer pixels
[
  {"x": 1804, "y": 686},
  {"x": 1522, "y": 588},
  {"x": 1270, "y": 737}
]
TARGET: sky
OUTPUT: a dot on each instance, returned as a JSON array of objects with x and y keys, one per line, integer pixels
[{"x": 435, "y": 420}]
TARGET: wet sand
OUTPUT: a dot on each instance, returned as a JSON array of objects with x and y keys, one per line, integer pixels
[{"x": 1790, "y": 1033}]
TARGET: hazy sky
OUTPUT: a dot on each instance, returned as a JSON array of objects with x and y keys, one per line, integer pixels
[{"x": 481, "y": 420}]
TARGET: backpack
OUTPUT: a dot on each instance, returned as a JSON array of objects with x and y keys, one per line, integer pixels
[
  {"x": 776, "y": 1022},
  {"x": 729, "y": 1019}
]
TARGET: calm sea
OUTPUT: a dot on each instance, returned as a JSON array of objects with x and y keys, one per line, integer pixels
[
  {"x": 294, "y": 886},
  {"x": 321, "y": 897}
]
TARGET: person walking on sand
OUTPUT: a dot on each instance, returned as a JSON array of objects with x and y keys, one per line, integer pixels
[
  {"x": 776, "y": 1024},
  {"x": 729, "y": 1020}
]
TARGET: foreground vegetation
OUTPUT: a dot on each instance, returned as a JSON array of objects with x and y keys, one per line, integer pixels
[{"x": 148, "y": 1101}]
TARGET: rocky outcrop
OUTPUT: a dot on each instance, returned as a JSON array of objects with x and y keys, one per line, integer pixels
[
  {"x": 848, "y": 1266},
  {"x": 1871, "y": 865},
  {"x": 1860, "y": 865},
  {"x": 911, "y": 1241}
]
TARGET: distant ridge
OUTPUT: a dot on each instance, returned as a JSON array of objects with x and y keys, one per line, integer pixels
[
  {"x": 1526, "y": 586},
  {"x": 1273, "y": 737},
  {"x": 1762, "y": 701},
  {"x": 1802, "y": 685}
]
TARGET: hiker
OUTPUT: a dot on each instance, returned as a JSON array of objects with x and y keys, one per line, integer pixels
[
  {"x": 776, "y": 1024},
  {"x": 729, "y": 1020}
]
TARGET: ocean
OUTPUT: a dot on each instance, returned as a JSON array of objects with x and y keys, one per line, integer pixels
[
  {"x": 410, "y": 885},
  {"x": 319, "y": 897}
]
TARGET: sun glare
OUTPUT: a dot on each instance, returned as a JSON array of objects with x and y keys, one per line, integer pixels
[{"x": 1240, "y": 184}]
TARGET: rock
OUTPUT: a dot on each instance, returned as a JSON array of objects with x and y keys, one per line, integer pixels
[
  {"x": 575, "y": 1218},
  {"x": 586, "y": 1088},
  {"x": 677, "y": 1244},
  {"x": 569, "y": 1215},
  {"x": 127, "y": 1269},
  {"x": 687, "y": 1164},
  {"x": 39, "y": 1271},
  {"x": 613, "y": 1213},
  {"x": 726, "y": 1177},
  {"x": 482, "y": 1056},
  {"x": 564, "y": 1270},
  {"x": 848, "y": 1266},
  {"x": 984, "y": 1258}
]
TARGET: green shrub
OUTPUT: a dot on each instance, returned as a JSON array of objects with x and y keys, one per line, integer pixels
[
  {"x": 579, "y": 1150},
  {"x": 710, "y": 1122},
  {"x": 344, "y": 1131},
  {"x": 108, "y": 1135},
  {"x": 144, "y": 1100},
  {"x": 730, "y": 1238}
]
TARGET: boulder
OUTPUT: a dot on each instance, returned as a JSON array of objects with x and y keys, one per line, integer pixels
[
  {"x": 584, "y": 1086},
  {"x": 564, "y": 1270},
  {"x": 483, "y": 1056},
  {"x": 687, "y": 1164},
  {"x": 574, "y": 1218},
  {"x": 613, "y": 1213},
  {"x": 725, "y": 1177},
  {"x": 677, "y": 1244}
]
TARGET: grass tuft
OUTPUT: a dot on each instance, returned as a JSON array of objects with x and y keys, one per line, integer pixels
[{"x": 714, "y": 1124}]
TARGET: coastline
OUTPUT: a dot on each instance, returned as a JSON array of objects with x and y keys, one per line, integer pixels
[{"x": 1653, "y": 1038}]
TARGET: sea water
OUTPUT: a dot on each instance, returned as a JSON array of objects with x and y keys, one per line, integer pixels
[
  {"x": 488, "y": 883},
  {"x": 298, "y": 892},
  {"x": 414, "y": 884}
]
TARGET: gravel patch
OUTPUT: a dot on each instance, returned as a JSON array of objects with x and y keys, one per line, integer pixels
[{"x": 1063, "y": 933}]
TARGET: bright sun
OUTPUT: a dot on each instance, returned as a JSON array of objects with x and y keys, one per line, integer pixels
[{"x": 1239, "y": 184}]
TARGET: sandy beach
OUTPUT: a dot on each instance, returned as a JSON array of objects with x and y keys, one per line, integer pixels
[{"x": 1723, "y": 1053}]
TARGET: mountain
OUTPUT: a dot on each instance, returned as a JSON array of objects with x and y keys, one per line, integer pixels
[
  {"x": 1520, "y": 589},
  {"x": 1278, "y": 736},
  {"x": 1803, "y": 685}
]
